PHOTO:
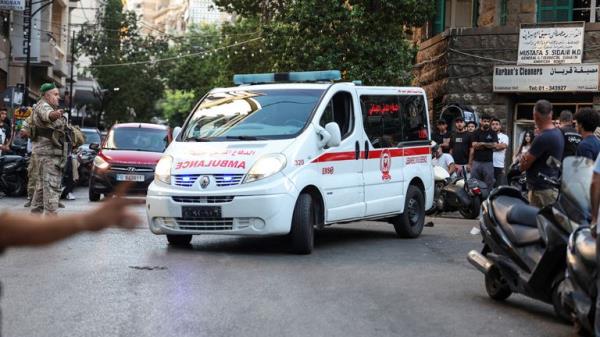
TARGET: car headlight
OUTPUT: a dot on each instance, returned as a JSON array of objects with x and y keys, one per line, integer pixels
[
  {"x": 265, "y": 167},
  {"x": 100, "y": 163},
  {"x": 162, "y": 172}
]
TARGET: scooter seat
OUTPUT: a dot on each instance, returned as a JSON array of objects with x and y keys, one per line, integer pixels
[
  {"x": 523, "y": 214},
  {"x": 520, "y": 227}
]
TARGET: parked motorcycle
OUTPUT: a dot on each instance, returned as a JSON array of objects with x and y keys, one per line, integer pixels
[
  {"x": 13, "y": 174},
  {"x": 517, "y": 179},
  {"x": 525, "y": 247},
  {"x": 579, "y": 289},
  {"x": 85, "y": 157},
  {"x": 457, "y": 194}
]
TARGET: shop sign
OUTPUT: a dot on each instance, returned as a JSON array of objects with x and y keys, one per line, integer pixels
[
  {"x": 12, "y": 5},
  {"x": 559, "y": 78},
  {"x": 552, "y": 45}
]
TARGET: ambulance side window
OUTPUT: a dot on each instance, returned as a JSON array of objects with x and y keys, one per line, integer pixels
[
  {"x": 382, "y": 119},
  {"x": 340, "y": 110},
  {"x": 414, "y": 118}
]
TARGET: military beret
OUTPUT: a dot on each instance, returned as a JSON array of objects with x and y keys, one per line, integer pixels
[{"x": 47, "y": 86}]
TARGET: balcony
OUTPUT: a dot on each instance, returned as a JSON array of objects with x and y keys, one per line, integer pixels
[
  {"x": 60, "y": 68},
  {"x": 48, "y": 53}
]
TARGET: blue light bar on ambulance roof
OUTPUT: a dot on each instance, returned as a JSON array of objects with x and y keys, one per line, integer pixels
[{"x": 301, "y": 76}]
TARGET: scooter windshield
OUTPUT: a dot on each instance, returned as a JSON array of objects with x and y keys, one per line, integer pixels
[{"x": 577, "y": 179}]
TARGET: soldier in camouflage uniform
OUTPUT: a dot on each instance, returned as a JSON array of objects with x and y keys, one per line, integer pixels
[{"x": 46, "y": 153}]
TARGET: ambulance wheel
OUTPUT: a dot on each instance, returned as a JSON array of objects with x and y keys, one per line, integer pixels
[
  {"x": 303, "y": 221},
  {"x": 410, "y": 223},
  {"x": 179, "y": 240}
]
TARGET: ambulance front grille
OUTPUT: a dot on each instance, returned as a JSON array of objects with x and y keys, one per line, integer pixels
[
  {"x": 221, "y": 180},
  {"x": 203, "y": 199},
  {"x": 205, "y": 224}
]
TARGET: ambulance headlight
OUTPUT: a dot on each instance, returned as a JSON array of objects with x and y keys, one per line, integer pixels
[
  {"x": 265, "y": 167},
  {"x": 100, "y": 163},
  {"x": 162, "y": 172}
]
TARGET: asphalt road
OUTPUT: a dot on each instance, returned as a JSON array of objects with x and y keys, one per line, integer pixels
[{"x": 360, "y": 281}]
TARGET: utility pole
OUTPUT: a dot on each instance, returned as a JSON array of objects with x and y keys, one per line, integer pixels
[{"x": 27, "y": 18}]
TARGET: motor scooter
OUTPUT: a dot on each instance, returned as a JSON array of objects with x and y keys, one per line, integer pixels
[
  {"x": 85, "y": 157},
  {"x": 13, "y": 173},
  {"x": 525, "y": 247},
  {"x": 517, "y": 179},
  {"x": 457, "y": 194}
]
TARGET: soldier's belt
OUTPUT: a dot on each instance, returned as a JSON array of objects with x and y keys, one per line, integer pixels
[{"x": 44, "y": 132}]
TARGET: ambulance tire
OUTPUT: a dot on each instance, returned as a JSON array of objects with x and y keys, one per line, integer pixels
[
  {"x": 179, "y": 240},
  {"x": 303, "y": 221},
  {"x": 410, "y": 223}
]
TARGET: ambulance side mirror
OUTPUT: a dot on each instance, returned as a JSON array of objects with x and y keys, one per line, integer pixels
[
  {"x": 176, "y": 132},
  {"x": 335, "y": 134}
]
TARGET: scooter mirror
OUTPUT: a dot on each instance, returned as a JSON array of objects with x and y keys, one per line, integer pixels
[{"x": 95, "y": 146}]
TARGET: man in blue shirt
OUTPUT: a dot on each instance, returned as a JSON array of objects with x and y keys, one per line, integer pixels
[
  {"x": 587, "y": 120},
  {"x": 549, "y": 143}
]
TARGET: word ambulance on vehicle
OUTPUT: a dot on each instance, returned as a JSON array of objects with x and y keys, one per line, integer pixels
[{"x": 287, "y": 153}]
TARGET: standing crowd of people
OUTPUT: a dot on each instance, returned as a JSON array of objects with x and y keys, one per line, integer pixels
[{"x": 480, "y": 150}]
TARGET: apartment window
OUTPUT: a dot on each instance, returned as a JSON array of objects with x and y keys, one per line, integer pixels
[
  {"x": 583, "y": 10},
  {"x": 455, "y": 13},
  {"x": 503, "y": 12},
  {"x": 554, "y": 10}
]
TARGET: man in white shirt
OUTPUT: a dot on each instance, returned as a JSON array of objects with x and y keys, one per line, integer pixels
[
  {"x": 2, "y": 140},
  {"x": 443, "y": 160},
  {"x": 499, "y": 153}
]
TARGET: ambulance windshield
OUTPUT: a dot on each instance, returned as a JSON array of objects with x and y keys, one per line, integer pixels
[{"x": 251, "y": 115}]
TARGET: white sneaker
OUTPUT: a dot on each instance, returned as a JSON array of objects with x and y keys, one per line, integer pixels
[{"x": 70, "y": 196}]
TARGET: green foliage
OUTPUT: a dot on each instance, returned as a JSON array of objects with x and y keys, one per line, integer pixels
[
  {"x": 118, "y": 41},
  {"x": 176, "y": 105}
]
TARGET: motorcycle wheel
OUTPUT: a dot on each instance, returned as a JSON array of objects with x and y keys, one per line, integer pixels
[
  {"x": 496, "y": 286},
  {"x": 559, "y": 308},
  {"x": 20, "y": 187},
  {"x": 472, "y": 211}
]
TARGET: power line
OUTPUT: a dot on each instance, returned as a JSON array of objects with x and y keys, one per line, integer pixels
[{"x": 174, "y": 57}]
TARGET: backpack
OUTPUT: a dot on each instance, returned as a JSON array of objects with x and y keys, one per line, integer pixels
[{"x": 572, "y": 140}]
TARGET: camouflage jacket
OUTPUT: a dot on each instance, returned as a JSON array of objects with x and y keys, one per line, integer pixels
[{"x": 41, "y": 119}]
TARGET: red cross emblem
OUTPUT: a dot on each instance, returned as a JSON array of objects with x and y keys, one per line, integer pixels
[{"x": 385, "y": 163}]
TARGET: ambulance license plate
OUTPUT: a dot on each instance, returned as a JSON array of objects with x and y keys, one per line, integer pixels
[
  {"x": 130, "y": 177},
  {"x": 201, "y": 211}
]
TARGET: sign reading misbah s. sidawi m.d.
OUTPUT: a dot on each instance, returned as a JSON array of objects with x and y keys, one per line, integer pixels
[
  {"x": 551, "y": 45},
  {"x": 12, "y": 5},
  {"x": 545, "y": 78}
]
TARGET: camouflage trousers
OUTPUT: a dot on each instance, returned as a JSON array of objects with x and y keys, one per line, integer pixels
[
  {"x": 32, "y": 171},
  {"x": 48, "y": 184}
]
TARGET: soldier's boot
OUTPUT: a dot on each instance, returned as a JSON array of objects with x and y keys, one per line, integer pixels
[
  {"x": 28, "y": 203},
  {"x": 61, "y": 205}
]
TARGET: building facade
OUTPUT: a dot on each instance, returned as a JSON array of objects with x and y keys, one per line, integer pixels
[{"x": 500, "y": 56}]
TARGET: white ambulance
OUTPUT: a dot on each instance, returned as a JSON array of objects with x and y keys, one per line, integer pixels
[{"x": 285, "y": 153}]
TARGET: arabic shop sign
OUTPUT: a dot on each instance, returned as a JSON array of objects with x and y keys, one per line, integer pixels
[
  {"x": 559, "y": 78},
  {"x": 12, "y": 5},
  {"x": 553, "y": 45}
]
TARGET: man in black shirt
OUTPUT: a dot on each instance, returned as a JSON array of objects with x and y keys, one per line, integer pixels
[
  {"x": 460, "y": 145},
  {"x": 572, "y": 138},
  {"x": 442, "y": 136},
  {"x": 483, "y": 143},
  {"x": 550, "y": 142}
]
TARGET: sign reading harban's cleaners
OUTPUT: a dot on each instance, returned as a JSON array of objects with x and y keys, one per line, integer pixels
[
  {"x": 12, "y": 5},
  {"x": 544, "y": 78},
  {"x": 553, "y": 45}
]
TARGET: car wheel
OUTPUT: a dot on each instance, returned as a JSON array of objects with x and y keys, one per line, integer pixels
[
  {"x": 179, "y": 240},
  {"x": 496, "y": 286},
  {"x": 92, "y": 194},
  {"x": 410, "y": 223},
  {"x": 302, "y": 229}
]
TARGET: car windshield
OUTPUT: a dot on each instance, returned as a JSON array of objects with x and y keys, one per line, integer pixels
[
  {"x": 251, "y": 115},
  {"x": 91, "y": 137},
  {"x": 137, "y": 139}
]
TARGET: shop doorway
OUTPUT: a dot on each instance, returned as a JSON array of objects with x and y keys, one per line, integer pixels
[{"x": 524, "y": 118}]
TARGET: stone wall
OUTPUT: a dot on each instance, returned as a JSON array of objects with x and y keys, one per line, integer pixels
[{"x": 457, "y": 66}]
